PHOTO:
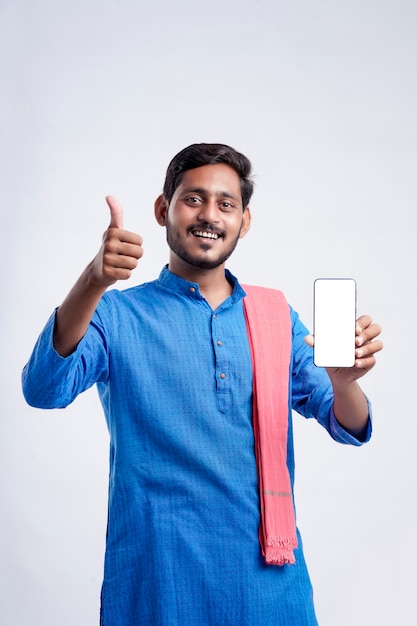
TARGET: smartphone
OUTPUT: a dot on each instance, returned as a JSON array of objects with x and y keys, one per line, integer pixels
[{"x": 334, "y": 322}]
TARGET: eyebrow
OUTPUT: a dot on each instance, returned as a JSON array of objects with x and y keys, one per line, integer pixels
[{"x": 202, "y": 191}]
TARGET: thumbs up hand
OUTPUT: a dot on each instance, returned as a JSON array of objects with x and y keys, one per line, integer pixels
[{"x": 119, "y": 252}]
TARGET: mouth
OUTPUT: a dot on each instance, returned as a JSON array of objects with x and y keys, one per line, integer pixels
[{"x": 205, "y": 234}]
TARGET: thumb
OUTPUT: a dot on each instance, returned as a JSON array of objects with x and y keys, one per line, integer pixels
[
  {"x": 116, "y": 212},
  {"x": 309, "y": 339}
]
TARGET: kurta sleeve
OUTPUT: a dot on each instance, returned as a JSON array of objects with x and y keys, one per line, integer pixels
[
  {"x": 312, "y": 393},
  {"x": 51, "y": 381}
]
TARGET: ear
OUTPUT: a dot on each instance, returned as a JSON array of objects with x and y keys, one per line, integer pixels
[
  {"x": 246, "y": 221},
  {"x": 161, "y": 210}
]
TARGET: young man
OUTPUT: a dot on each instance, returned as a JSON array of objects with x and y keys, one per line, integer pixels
[{"x": 172, "y": 360}]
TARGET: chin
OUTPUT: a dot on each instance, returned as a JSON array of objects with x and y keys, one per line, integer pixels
[
  {"x": 198, "y": 261},
  {"x": 203, "y": 263}
]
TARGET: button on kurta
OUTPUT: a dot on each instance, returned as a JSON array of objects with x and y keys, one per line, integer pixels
[{"x": 222, "y": 375}]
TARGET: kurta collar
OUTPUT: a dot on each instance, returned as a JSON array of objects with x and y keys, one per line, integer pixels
[{"x": 192, "y": 290}]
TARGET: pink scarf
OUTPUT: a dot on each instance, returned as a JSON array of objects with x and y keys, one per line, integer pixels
[{"x": 269, "y": 330}]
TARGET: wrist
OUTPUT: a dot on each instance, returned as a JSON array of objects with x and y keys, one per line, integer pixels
[
  {"x": 93, "y": 281},
  {"x": 342, "y": 383}
]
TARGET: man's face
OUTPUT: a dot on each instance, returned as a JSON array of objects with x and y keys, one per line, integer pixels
[{"x": 205, "y": 218}]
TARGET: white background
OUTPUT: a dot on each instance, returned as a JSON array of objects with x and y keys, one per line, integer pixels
[{"x": 96, "y": 97}]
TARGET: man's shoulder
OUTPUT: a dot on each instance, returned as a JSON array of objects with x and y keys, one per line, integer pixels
[
  {"x": 263, "y": 292},
  {"x": 130, "y": 292},
  {"x": 271, "y": 298},
  {"x": 121, "y": 299}
]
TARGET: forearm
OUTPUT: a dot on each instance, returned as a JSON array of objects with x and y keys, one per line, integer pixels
[
  {"x": 351, "y": 407},
  {"x": 75, "y": 313}
]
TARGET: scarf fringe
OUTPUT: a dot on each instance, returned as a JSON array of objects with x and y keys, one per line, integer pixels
[
  {"x": 280, "y": 550},
  {"x": 279, "y": 556}
]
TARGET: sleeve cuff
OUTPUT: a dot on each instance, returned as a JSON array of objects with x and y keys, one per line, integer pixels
[{"x": 340, "y": 434}]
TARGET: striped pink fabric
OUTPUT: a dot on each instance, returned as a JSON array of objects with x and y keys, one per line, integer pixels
[{"x": 269, "y": 330}]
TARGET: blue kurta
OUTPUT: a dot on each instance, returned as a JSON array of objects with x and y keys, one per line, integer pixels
[{"x": 175, "y": 381}]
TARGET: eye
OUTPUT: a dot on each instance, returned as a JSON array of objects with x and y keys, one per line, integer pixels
[
  {"x": 226, "y": 205},
  {"x": 193, "y": 200}
]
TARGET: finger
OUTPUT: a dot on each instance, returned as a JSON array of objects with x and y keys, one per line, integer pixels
[
  {"x": 115, "y": 241},
  {"x": 365, "y": 364},
  {"x": 117, "y": 261},
  {"x": 309, "y": 339},
  {"x": 363, "y": 322},
  {"x": 368, "y": 334},
  {"x": 116, "y": 212},
  {"x": 123, "y": 248},
  {"x": 369, "y": 349},
  {"x": 373, "y": 331}
]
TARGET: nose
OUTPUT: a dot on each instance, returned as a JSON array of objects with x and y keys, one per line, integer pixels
[{"x": 209, "y": 212}]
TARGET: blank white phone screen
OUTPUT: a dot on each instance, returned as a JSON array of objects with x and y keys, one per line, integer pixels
[{"x": 334, "y": 322}]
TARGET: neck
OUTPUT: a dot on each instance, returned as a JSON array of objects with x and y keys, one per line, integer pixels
[{"x": 213, "y": 284}]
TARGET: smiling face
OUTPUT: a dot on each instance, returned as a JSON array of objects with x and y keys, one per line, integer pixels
[{"x": 205, "y": 218}]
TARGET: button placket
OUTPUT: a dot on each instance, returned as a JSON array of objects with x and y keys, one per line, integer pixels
[{"x": 221, "y": 365}]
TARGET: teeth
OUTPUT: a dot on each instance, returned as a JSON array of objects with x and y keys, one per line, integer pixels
[{"x": 206, "y": 234}]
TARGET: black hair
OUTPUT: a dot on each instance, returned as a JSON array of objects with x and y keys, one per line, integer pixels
[{"x": 199, "y": 154}]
